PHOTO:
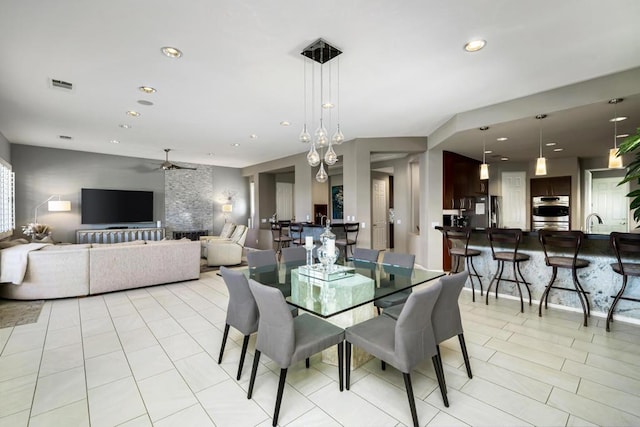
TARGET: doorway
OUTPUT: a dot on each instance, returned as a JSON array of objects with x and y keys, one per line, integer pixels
[
  {"x": 608, "y": 199},
  {"x": 379, "y": 213},
  {"x": 514, "y": 200}
]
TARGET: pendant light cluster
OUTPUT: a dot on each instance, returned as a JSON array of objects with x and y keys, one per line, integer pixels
[
  {"x": 321, "y": 52},
  {"x": 541, "y": 164},
  {"x": 615, "y": 161},
  {"x": 484, "y": 167}
]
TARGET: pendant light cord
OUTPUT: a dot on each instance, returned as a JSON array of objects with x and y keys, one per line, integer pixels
[{"x": 615, "y": 124}]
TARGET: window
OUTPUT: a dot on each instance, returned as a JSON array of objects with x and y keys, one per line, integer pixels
[{"x": 7, "y": 200}]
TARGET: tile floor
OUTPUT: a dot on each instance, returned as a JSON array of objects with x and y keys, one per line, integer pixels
[{"x": 148, "y": 357}]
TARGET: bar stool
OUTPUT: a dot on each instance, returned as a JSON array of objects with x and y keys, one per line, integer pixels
[
  {"x": 506, "y": 241},
  {"x": 565, "y": 245},
  {"x": 457, "y": 239},
  {"x": 625, "y": 246},
  {"x": 350, "y": 238},
  {"x": 295, "y": 232},
  {"x": 281, "y": 240}
]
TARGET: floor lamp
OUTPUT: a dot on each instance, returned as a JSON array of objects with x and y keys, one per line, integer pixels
[{"x": 53, "y": 206}]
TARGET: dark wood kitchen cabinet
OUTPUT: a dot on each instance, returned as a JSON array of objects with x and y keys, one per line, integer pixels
[
  {"x": 460, "y": 179},
  {"x": 552, "y": 186}
]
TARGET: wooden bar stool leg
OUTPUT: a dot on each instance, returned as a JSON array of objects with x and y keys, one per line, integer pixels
[
  {"x": 581, "y": 295},
  {"x": 545, "y": 294},
  {"x": 525, "y": 282},
  {"x": 615, "y": 301},
  {"x": 515, "y": 276}
]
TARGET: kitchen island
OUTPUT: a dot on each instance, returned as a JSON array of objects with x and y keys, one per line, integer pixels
[{"x": 598, "y": 279}]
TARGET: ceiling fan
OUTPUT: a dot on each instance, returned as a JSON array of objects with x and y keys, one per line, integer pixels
[{"x": 168, "y": 166}]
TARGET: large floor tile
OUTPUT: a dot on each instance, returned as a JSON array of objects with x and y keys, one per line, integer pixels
[
  {"x": 613, "y": 397},
  {"x": 128, "y": 322},
  {"x": 192, "y": 416},
  {"x": 548, "y": 347},
  {"x": 591, "y": 410},
  {"x": 148, "y": 362},
  {"x": 313, "y": 418},
  {"x": 165, "y": 394},
  {"x": 162, "y": 328},
  {"x": 16, "y": 395},
  {"x": 106, "y": 368},
  {"x": 137, "y": 339},
  {"x": 533, "y": 370},
  {"x": 341, "y": 407},
  {"x": 25, "y": 341},
  {"x": 20, "y": 364},
  {"x": 200, "y": 371},
  {"x": 227, "y": 405},
  {"x": 516, "y": 404},
  {"x": 57, "y": 390},
  {"x": 603, "y": 376},
  {"x": 445, "y": 420},
  {"x": 115, "y": 403},
  {"x": 95, "y": 345},
  {"x": 526, "y": 353},
  {"x": 74, "y": 414},
  {"x": 19, "y": 419},
  {"x": 180, "y": 346},
  {"x": 61, "y": 359},
  {"x": 473, "y": 411},
  {"x": 63, "y": 337},
  {"x": 393, "y": 400}
]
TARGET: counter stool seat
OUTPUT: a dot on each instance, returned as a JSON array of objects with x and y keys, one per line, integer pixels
[
  {"x": 627, "y": 246},
  {"x": 567, "y": 242},
  {"x": 457, "y": 240},
  {"x": 504, "y": 243},
  {"x": 464, "y": 252}
]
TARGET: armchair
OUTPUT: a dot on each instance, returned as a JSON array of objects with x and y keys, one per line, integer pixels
[{"x": 227, "y": 251}]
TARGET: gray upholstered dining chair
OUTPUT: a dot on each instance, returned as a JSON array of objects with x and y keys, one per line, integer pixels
[
  {"x": 395, "y": 259},
  {"x": 287, "y": 340},
  {"x": 242, "y": 311},
  {"x": 364, "y": 254},
  {"x": 446, "y": 319},
  {"x": 402, "y": 343}
]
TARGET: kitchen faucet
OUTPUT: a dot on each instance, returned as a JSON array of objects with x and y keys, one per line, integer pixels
[{"x": 587, "y": 222}]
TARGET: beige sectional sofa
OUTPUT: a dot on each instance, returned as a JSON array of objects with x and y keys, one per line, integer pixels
[{"x": 75, "y": 270}]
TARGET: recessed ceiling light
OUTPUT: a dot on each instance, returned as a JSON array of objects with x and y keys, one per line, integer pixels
[
  {"x": 474, "y": 45},
  {"x": 618, "y": 119},
  {"x": 125, "y": 126},
  {"x": 284, "y": 123},
  {"x": 252, "y": 136},
  {"x": 133, "y": 113},
  {"x": 550, "y": 144},
  {"x": 488, "y": 151},
  {"x": 147, "y": 89},
  {"x": 144, "y": 102},
  {"x": 504, "y": 159},
  {"x": 558, "y": 149},
  {"x": 114, "y": 141},
  {"x": 502, "y": 138},
  {"x": 209, "y": 154},
  {"x": 65, "y": 137},
  {"x": 622, "y": 135},
  {"x": 171, "y": 52},
  {"x": 235, "y": 144},
  {"x": 328, "y": 105}
]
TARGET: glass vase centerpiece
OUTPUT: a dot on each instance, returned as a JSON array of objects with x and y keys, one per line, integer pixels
[{"x": 327, "y": 252}]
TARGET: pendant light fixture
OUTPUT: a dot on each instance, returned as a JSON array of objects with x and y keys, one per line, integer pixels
[
  {"x": 484, "y": 168},
  {"x": 321, "y": 52},
  {"x": 541, "y": 164},
  {"x": 615, "y": 161}
]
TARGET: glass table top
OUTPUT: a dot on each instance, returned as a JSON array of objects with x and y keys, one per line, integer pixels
[{"x": 369, "y": 282}]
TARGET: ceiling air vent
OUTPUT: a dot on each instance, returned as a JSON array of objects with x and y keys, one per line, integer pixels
[
  {"x": 67, "y": 137},
  {"x": 61, "y": 84}
]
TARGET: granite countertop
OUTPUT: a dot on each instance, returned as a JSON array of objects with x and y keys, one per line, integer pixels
[{"x": 590, "y": 236}]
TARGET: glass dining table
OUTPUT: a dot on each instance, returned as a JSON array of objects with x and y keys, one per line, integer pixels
[
  {"x": 353, "y": 284},
  {"x": 346, "y": 297}
]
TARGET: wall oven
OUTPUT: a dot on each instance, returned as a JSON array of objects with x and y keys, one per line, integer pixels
[{"x": 550, "y": 212}]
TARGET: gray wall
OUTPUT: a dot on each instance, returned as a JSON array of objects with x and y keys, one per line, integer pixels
[{"x": 41, "y": 172}]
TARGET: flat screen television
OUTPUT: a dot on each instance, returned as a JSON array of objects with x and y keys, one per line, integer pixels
[{"x": 116, "y": 206}]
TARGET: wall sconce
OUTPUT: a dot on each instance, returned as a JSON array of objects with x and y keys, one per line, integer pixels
[{"x": 53, "y": 206}]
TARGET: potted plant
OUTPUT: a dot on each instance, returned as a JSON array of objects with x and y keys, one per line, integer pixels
[{"x": 630, "y": 144}]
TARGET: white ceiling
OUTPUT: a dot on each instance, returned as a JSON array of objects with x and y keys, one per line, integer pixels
[{"x": 403, "y": 70}]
